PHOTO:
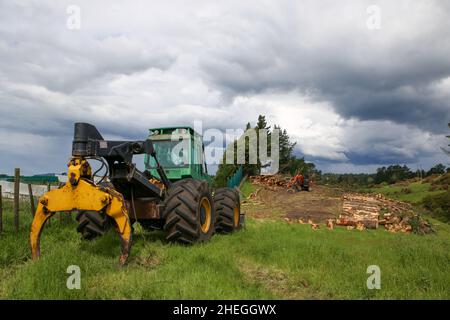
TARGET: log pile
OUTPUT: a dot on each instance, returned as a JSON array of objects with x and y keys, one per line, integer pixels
[
  {"x": 407, "y": 224},
  {"x": 361, "y": 212},
  {"x": 275, "y": 181}
]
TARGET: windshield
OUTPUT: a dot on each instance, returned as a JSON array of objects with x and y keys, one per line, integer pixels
[{"x": 170, "y": 154}]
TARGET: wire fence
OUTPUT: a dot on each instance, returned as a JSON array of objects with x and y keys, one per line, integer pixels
[{"x": 18, "y": 202}]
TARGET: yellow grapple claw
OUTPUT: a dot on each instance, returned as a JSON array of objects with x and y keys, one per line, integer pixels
[{"x": 83, "y": 196}]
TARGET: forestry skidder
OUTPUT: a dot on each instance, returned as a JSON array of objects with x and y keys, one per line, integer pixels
[{"x": 173, "y": 193}]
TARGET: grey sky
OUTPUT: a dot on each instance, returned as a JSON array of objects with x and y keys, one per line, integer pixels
[{"x": 353, "y": 98}]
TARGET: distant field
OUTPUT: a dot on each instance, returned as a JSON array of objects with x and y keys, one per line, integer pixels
[
  {"x": 269, "y": 259},
  {"x": 418, "y": 191}
]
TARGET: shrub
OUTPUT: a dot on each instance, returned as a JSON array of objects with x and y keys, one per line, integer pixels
[
  {"x": 439, "y": 205},
  {"x": 406, "y": 190}
]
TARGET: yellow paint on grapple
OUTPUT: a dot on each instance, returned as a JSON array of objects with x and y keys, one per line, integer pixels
[{"x": 80, "y": 193}]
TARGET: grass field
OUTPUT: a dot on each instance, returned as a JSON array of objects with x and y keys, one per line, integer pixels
[
  {"x": 418, "y": 191},
  {"x": 247, "y": 188},
  {"x": 269, "y": 259}
]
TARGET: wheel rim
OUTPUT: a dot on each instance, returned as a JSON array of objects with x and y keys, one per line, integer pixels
[
  {"x": 205, "y": 215},
  {"x": 236, "y": 216}
]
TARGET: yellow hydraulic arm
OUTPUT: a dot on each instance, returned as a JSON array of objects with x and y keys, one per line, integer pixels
[{"x": 81, "y": 193}]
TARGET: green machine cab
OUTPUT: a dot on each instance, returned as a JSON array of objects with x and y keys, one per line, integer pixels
[{"x": 180, "y": 152}]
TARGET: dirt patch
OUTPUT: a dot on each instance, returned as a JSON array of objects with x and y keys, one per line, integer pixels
[
  {"x": 319, "y": 204},
  {"x": 314, "y": 216},
  {"x": 330, "y": 206}
]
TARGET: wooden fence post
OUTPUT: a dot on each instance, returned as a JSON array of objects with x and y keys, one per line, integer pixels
[
  {"x": 30, "y": 192},
  {"x": 16, "y": 198},
  {"x": 1, "y": 210}
]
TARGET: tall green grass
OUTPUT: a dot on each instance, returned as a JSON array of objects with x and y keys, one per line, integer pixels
[
  {"x": 267, "y": 260},
  {"x": 247, "y": 188}
]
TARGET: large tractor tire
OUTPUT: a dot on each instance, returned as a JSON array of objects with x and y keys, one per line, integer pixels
[
  {"x": 228, "y": 209},
  {"x": 92, "y": 224},
  {"x": 189, "y": 212}
]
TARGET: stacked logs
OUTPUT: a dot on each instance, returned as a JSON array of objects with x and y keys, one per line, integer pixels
[
  {"x": 361, "y": 211},
  {"x": 276, "y": 180},
  {"x": 406, "y": 224}
]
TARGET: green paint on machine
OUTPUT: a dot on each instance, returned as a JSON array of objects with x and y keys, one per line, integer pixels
[{"x": 180, "y": 152}]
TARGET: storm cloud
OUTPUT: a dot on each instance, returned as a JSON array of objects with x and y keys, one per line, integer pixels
[{"x": 353, "y": 98}]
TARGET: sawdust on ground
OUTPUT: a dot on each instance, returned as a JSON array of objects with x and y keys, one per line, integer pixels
[{"x": 319, "y": 204}]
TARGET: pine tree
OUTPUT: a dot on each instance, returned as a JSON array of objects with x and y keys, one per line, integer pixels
[
  {"x": 286, "y": 149},
  {"x": 261, "y": 124}
]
